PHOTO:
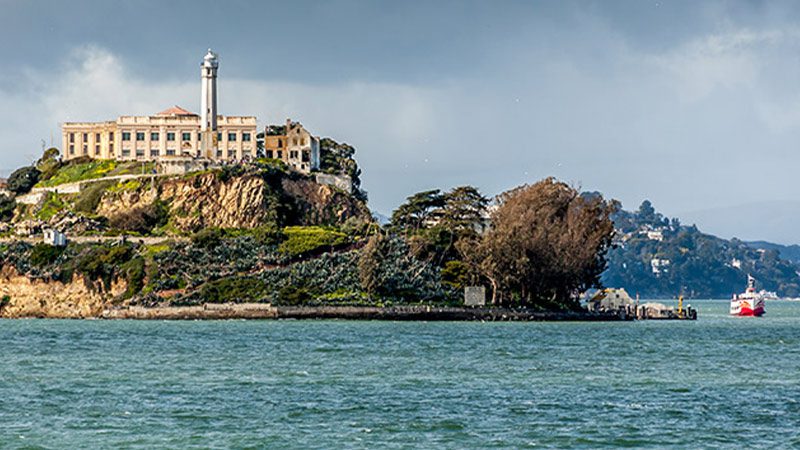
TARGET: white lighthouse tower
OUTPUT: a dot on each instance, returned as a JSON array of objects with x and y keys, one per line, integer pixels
[{"x": 208, "y": 104}]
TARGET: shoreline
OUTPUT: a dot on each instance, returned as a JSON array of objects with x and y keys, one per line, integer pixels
[{"x": 393, "y": 313}]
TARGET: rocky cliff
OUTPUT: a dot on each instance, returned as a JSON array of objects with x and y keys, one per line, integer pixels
[
  {"x": 22, "y": 296},
  {"x": 211, "y": 199}
]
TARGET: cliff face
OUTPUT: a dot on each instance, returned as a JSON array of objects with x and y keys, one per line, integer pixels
[
  {"x": 208, "y": 200},
  {"x": 37, "y": 298}
]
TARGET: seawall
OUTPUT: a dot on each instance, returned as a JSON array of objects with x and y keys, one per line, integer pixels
[{"x": 395, "y": 313}]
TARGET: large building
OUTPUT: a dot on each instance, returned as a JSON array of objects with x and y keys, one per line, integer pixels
[
  {"x": 171, "y": 133},
  {"x": 292, "y": 144}
]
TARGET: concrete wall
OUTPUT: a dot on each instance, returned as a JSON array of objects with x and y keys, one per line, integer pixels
[{"x": 342, "y": 182}]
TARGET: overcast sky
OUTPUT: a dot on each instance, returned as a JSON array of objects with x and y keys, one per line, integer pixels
[{"x": 693, "y": 105}]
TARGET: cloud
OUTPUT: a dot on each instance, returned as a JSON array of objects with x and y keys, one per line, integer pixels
[{"x": 94, "y": 84}]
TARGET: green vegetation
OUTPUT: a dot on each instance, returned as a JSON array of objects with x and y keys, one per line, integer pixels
[
  {"x": 306, "y": 240},
  {"x": 697, "y": 264},
  {"x": 22, "y": 180},
  {"x": 7, "y": 206},
  {"x": 88, "y": 199},
  {"x": 43, "y": 255},
  {"x": 142, "y": 219},
  {"x": 336, "y": 158},
  {"x": 234, "y": 290},
  {"x": 80, "y": 169},
  {"x": 52, "y": 205},
  {"x": 75, "y": 170}
]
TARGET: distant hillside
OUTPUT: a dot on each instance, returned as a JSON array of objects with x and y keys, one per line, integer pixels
[
  {"x": 659, "y": 257},
  {"x": 790, "y": 252}
]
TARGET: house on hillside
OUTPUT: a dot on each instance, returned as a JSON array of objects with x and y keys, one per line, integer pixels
[{"x": 292, "y": 144}]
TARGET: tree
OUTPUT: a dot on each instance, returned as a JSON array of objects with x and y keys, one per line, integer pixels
[
  {"x": 546, "y": 245},
  {"x": 418, "y": 212},
  {"x": 22, "y": 180},
  {"x": 336, "y": 158},
  {"x": 464, "y": 209},
  {"x": 7, "y": 206}
]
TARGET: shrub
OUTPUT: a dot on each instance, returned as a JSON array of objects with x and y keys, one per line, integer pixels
[
  {"x": 43, "y": 255},
  {"x": 80, "y": 169},
  {"x": 234, "y": 290},
  {"x": 23, "y": 179},
  {"x": 89, "y": 198},
  {"x": 208, "y": 237},
  {"x": 304, "y": 240},
  {"x": 7, "y": 205},
  {"x": 101, "y": 262},
  {"x": 142, "y": 219},
  {"x": 52, "y": 205}
]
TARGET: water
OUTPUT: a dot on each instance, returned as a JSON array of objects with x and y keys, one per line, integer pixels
[{"x": 717, "y": 382}]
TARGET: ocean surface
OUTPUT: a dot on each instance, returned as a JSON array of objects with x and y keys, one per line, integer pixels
[{"x": 714, "y": 383}]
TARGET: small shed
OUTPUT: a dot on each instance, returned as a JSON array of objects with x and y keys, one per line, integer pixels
[
  {"x": 54, "y": 237},
  {"x": 474, "y": 296}
]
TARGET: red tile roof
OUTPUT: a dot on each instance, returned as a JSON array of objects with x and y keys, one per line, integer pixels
[{"x": 176, "y": 111}]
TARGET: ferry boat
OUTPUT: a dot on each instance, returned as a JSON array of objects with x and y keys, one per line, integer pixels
[{"x": 749, "y": 303}]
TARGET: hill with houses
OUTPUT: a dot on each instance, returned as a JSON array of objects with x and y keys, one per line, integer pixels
[{"x": 658, "y": 257}]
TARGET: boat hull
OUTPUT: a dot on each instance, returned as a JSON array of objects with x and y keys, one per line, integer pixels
[{"x": 747, "y": 308}]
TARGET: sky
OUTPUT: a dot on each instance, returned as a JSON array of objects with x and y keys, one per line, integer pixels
[{"x": 693, "y": 105}]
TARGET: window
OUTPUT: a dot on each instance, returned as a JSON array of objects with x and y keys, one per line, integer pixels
[
  {"x": 170, "y": 136},
  {"x": 71, "y": 149},
  {"x": 85, "y": 137},
  {"x": 293, "y": 154},
  {"x": 246, "y": 137},
  {"x": 111, "y": 148},
  {"x": 153, "y": 152},
  {"x": 96, "y": 149},
  {"x": 295, "y": 141},
  {"x": 199, "y": 136},
  {"x": 245, "y": 153},
  {"x": 126, "y": 152},
  {"x": 269, "y": 154},
  {"x": 126, "y": 136},
  {"x": 111, "y": 136},
  {"x": 219, "y": 136},
  {"x": 153, "y": 136},
  {"x": 139, "y": 152},
  {"x": 85, "y": 149},
  {"x": 71, "y": 138},
  {"x": 219, "y": 153},
  {"x": 280, "y": 144},
  {"x": 280, "y": 154},
  {"x": 232, "y": 137},
  {"x": 186, "y": 136},
  {"x": 306, "y": 156},
  {"x": 139, "y": 136},
  {"x": 170, "y": 152}
]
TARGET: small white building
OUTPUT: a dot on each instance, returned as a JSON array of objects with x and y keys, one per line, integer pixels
[
  {"x": 54, "y": 237},
  {"x": 659, "y": 265}
]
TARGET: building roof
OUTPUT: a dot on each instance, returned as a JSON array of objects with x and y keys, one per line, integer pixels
[{"x": 176, "y": 111}]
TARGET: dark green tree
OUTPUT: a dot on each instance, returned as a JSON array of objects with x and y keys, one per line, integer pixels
[
  {"x": 7, "y": 206},
  {"x": 418, "y": 212},
  {"x": 23, "y": 179}
]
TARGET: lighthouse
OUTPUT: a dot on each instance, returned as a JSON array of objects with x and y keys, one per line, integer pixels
[{"x": 208, "y": 105}]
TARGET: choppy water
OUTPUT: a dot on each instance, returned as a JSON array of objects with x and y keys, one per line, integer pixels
[{"x": 717, "y": 382}]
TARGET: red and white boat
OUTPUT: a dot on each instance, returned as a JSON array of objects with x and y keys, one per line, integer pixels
[{"x": 750, "y": 303}]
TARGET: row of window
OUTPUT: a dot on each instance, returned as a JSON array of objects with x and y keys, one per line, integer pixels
[
  {"x": 140, "y": 153},
  {"x": 85, "y": 137},
  {"x": 295, "y": 140},
  {"x": 154, "y": 136},
  {"x": 86, "y": 149}
]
